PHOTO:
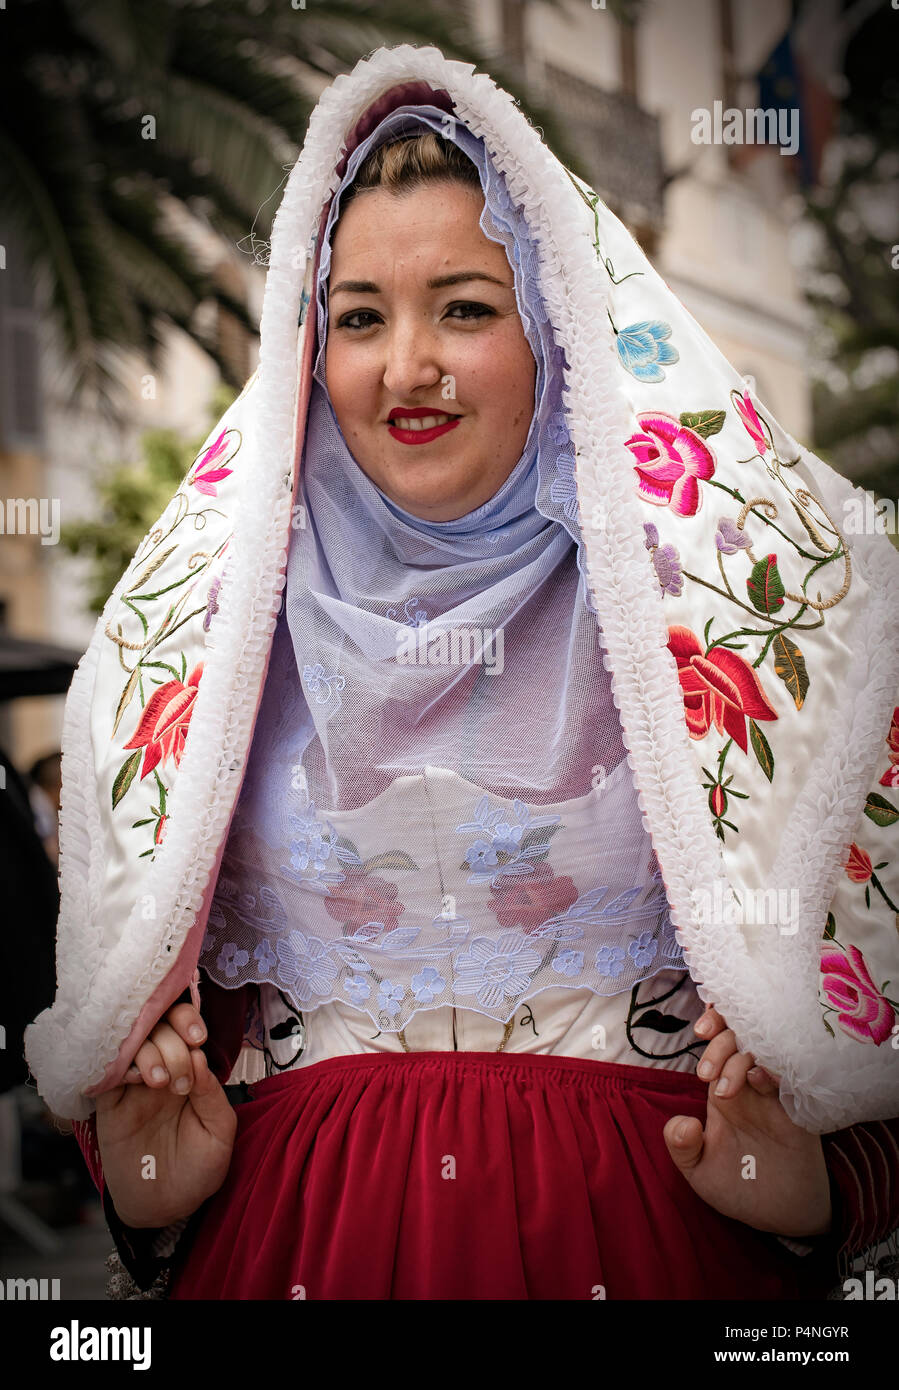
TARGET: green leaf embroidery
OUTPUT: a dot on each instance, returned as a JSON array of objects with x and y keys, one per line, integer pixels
[
  {"x": 761, "y": 749},
  {"x": 880, "y": 811},
  {"x": 830, "y": 929},
  {"x": 789, "y": 663},
  {"x": 125, "y": 776},
  {"x": 765, "y": 585},
  {"x": 704, "y": 422}
]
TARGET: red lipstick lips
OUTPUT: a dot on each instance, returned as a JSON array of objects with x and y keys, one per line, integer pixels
[{"x": 419, "y": 413}]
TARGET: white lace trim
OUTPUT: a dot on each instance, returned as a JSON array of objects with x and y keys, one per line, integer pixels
[{"x": 101, "y": 993}]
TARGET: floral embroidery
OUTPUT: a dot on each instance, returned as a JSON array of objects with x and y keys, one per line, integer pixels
[
  {"x": 496, "y": 970},
  {"x": 316, "y": 681},
  {"x": 747, "y": 413},
  {"x": 529, "y": 902},
  {"x": 364, "y": 900},
  {"x": 891, "y": 777},
  {"x": 163, "y": 725},
  {"x": 644, "y": 949},
  {"x": 390, "y": 997},
  {"x": 205, "y": 476},
  {"x": 863, "y": 1011},
  {"x": 231, "y": 959},
  {"x": 358, "y": 988},
  {"x": 671, "y": 461},
  {"x": 427, "y": 985},
  {"x": 305, "y": 966},
  {"x": 719, "y": 688},
  {"x": 212, "y": 606},
  {"x": 609, "y": 961},
  {"x": 643, "y": 349},
  {"x": 569, "y": 962},
  {"x": 666, "y": 561},
  {"x": 503, "y": 848},
  {"x": 314, "y": 848},
  {"x": 729, "y": 538},
  {"x": 265, "y": 957},
  {"x": 563, "y": 489},
  {"x": 418, "y": 618}
]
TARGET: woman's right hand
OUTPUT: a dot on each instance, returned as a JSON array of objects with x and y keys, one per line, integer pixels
[{"x": 167, "y": 1133}]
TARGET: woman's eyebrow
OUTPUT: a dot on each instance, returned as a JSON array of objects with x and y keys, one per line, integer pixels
[{"x": 439, "y": 282}]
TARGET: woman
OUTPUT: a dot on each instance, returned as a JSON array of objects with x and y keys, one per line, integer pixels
[{"x": 490, "y": 1002}]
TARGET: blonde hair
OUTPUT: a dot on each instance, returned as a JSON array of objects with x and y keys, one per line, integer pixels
[{"x": 410, "y": 162}]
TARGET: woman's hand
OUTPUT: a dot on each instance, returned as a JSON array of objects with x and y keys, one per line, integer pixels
[
  {"x": 785, "y": 1189},
  {"x": 167, "y": 1133}
]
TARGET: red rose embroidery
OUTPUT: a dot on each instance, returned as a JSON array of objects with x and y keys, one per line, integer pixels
[
  {"x": 360, "y": 898},
  {"x": 531, "y": 899},
  {"x": 862, "y": 1010},
  {"x": 720, "y": 689},
  {"x": 858, "y": 866},
  {"x": 164, "y": 722}
]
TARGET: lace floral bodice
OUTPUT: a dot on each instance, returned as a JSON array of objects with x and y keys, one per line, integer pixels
[{"x": 437, "y": 894}]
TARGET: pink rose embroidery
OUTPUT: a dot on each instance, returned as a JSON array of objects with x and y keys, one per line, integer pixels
[
  {"x": 671, "y": 461},
  {"x": 164, "y": 722},
  {"x": 747, "y": 413},
  {"x": 720, "y": 689},
  {"x": 891, "y": 777},
  {"x": 862, "y": 1010},
  {"x": 206, "y": 477}
]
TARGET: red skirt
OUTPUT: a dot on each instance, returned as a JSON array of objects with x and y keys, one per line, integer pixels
[{"x": 473, "y": 1175}]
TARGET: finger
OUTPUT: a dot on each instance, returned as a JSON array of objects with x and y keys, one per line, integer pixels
[
  {"x": 709, "y": 1024},
  {"x": 208, "y": 1099},
  {"x": 763, "y": 1081},
  {"x": 108, "y": 1100},
  {"x": 733, "y": 1075},
  {"x": 684, "y": 1137},
  {"x": 132, "y": 1075},
  {"x": 175, "y": 1058},
  {"x": 150, "y": 1064},
  {"x": 716, "y": 1054},
  {"x": 187, "y": 1023}
]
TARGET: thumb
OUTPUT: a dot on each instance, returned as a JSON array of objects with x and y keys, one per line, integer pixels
[
  {"x": 206, "y": 1095},
  {"x": 684, "y": 1135}
]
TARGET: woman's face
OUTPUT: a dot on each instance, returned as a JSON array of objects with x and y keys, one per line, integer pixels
[{"x": 423, "y": 326}]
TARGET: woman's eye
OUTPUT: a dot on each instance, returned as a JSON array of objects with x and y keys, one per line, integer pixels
[
  {"x": 347, "y": 320},
  {"x": 471, "y": 310}
]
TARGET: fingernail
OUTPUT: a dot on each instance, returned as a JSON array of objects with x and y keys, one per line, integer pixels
[
  {"x": 702, "y": 1025},
  {"x": 182, "y": 1085},
  {"x": 196, "y": 1033},
  {"x": 723, "y": 1087},
  {"x": 705, "y": 1069},
  {"x": 159, "y": 1074},
  {"x": 681, "y": 1133}
]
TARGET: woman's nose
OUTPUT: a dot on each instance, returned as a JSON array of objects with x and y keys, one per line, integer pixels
[{"x": 411, "y": 361}]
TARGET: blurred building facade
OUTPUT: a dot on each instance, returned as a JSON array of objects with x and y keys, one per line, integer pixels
[{"x": 719, "y": 230}]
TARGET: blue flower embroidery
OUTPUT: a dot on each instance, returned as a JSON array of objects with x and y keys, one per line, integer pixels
[
  {"x": 643, "y": 351},
  {"x": 643, "y": 950},
  {"x": 265, "y": 957},
  {"x": 557, "y": 429},
  {"x": 358, "y": 988},
  {"x": 315, "y": 854},
  {"x": 609, "y": 961},
  {"x": 390, "y": 997},
  {"x": 305, "y": 966},
  {"x": 500, "y": 836},
  {"x": 316, "y": 680},
  {"x": 496, "y": 970},
  {"x": 231, "y": 959},
  {"x": 427, "y": 984},
  {"x": 569, "y": 962},
  {"x": 417, "y": 618}
]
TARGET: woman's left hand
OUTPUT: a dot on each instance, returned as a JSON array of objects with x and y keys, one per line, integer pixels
[{"x": 750, "y": 1161}]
